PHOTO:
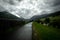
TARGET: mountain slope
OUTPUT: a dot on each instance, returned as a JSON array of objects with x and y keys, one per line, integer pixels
[
  {"x": 6, "y": 15},
  {"x": 44, "y": 15}
]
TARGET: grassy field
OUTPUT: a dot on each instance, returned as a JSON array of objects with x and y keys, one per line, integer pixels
[{"x": 43, "y": 32}]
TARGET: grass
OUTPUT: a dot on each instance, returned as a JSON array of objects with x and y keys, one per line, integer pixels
[{"x": 42, "y": 32}]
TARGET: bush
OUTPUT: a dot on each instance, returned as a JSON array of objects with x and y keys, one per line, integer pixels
[
  {"x": 55, "y": 23},
  {"x": 47, "y": 20}
]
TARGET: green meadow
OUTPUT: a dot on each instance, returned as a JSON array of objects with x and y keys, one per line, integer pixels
[{"x": 44, "y": 32}]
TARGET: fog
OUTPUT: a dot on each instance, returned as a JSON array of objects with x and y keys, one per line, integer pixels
[{"x": 28, "y": 8}]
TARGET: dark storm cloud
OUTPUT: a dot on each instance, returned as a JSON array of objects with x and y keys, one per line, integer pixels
[
  {"x": 31, "y": 7},
  {"x": 19, "y": 0},
  {"x": 2, "y": 9},
  {"x": 56, "y": 5},
  {"x": 56, "y": 2},
  {"x": 12, "y": 2}
]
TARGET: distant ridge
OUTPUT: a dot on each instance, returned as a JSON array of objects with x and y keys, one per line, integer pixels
[
  {"x": 55, "y": 13},
  {"x": 44, "y": 15}
]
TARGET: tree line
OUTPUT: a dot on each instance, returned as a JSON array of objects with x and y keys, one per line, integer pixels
[{"x": 53, "y": 21}]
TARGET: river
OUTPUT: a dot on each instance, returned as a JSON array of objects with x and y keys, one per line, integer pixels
[{"x": 23, "y": 33}]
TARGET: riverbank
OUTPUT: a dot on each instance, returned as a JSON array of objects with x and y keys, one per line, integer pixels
[{"x": 43, "y": 32}]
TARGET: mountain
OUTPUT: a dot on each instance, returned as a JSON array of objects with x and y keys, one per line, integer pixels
[
  {"x": 38, "y": 17},
  {"x": 7, "y": 15},
  {"x": 55, "y": 13},
  {"x": 44, "y": 15}
]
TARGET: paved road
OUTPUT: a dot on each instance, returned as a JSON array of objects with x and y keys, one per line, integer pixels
[{"x": 23, "y": 33}]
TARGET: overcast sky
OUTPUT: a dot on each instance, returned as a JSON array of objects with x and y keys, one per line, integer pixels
[{"x": 29, "y": 8}]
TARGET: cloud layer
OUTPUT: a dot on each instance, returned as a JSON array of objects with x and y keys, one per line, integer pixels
[{"x": 28, "y": 8}]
